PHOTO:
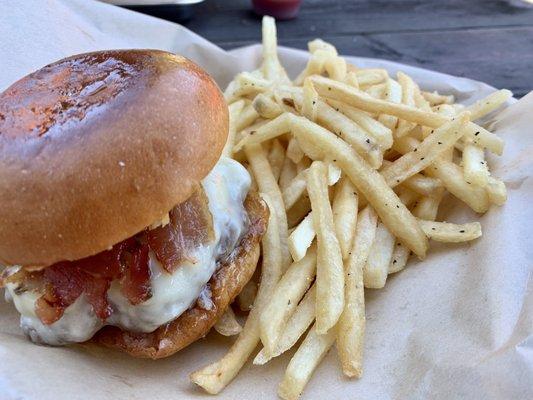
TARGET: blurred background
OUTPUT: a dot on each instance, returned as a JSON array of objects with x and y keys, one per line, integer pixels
[{"x": 487, "y": 40}]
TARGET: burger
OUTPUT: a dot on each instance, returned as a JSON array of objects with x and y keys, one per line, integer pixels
[{"x": 120, "y": 222}]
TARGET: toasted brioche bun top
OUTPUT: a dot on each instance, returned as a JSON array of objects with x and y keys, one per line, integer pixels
[{"x": 98, "y": 146}]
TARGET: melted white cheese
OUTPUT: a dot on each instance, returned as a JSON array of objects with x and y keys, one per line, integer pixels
[{"x": 226, "y": 187}]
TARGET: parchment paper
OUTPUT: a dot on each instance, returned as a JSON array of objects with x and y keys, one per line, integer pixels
[{"x": 457, "y": 325}]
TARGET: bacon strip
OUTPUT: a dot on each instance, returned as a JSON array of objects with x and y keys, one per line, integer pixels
[
  {"x": 64, "y": 282},
  {"x": 190, "y": 226},
  {"x": 135, "y": 284}
]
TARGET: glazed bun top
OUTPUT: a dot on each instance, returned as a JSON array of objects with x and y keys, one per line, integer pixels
[{"x": 98, "y": 146}]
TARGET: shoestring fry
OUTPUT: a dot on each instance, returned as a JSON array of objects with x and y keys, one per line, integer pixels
[{"x": 354, "y": 164}]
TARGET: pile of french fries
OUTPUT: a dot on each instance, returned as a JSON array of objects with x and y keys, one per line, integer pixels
[{"x": 353, "y": 165}]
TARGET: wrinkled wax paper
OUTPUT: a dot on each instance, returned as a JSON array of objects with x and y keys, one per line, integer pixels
[{"x": 456, "y": 325}]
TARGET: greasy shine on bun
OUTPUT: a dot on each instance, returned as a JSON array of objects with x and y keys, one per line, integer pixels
[{"x": 98, "y": 146}]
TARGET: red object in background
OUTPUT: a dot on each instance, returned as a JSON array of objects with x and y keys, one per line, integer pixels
[{"x": 279, "y": 9}]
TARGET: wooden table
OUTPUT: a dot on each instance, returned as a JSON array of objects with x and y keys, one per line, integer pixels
[{"x": 487, "y": 40}]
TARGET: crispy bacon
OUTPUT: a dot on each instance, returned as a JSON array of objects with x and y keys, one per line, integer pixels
[
  {"x": 64, "y": 282},
  {"x": 47, "y": 309},
  {"x": 191, "y": 225},
  {"x": 135, "y": 284}
]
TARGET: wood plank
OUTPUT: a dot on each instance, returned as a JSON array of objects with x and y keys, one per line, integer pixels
[
  {"x": 501, "y": 57},
  {"x": 222, "y": 20}
]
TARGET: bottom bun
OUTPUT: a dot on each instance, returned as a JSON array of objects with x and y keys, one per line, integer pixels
[{"x": 227, "y": 282}]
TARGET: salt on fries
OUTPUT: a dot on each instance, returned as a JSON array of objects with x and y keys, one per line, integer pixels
[
  {"x": 330, "y": 274},
  {"x": 288, "y": 292},
  {"x": 354, "y": 165},
  {"x": 352, "y": 322}
]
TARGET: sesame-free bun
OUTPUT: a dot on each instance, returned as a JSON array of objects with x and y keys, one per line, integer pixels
[{"x": 98, "y": 146}]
